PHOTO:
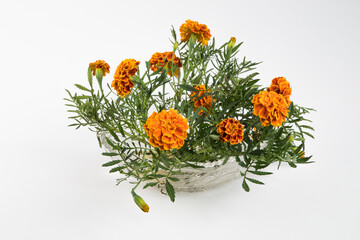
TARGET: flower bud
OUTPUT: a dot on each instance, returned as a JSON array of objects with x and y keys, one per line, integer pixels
[
  {"x": 176, "y": 44},
  {"x": 290, "y": 138},
  {"x": 99, "y": 74},
  {"x": 232, "y": 42},
  {"x": 140, "y": 202}
]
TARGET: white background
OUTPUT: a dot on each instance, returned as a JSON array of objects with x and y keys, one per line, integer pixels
[{"x": 52, "y": 185}]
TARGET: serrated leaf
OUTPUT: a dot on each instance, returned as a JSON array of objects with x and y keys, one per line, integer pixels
[
  {"x": 306, "y": 126},
  {"x": 310, "y": 135},
  {"x": 110, "y": 143},
  {"x": 110, "y": 154},
  {"x": 99, "y": 140},
  {"x": 150, "y": 184},
  {"x": 117, "y": 169},
  {"x": 255, "y": 181},
  {"x": 226, "y": 160},
  {"x": 215, "y": 137},
  {"x": 245, "y": 186},
  {"x": 111, "y": 163},
  {"x": 82, "y": 88},
  {"x": 187, "y": 87},
  {"x": 170, "y": 190},
  {"x": 90, "y": 79},
  {"x": 291, "y": 164},
  {"x": 260, "y": 172},
  {"x": 257, "y": 152},
  {"x": 173, "y": 179}
]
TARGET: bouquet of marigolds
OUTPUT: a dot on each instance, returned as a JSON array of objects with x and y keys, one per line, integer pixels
[{"x": 193, "y": 105}]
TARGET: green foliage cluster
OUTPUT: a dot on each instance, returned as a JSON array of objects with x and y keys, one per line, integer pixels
[{"x": 231, "y": 81}]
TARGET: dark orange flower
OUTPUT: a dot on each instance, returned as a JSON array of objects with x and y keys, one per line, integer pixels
[
  {"x": 201, "y": 32},
  {"x": 270, "y": 107},
  {"x": 166, "y": 60},
  {"x": 230, "y": 130},
  {"x": 100, "y": 64},
  {"x": 166, "y": 129},
  {"x": 204, "y": 101},
  {"x": 122, "y": 78},
  {"x": 281, "y": 86}
]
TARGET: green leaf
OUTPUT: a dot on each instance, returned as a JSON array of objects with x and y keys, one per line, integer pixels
[
  {"x": 173, "y": 179},
  {"x": 215, "y": 137},
  {"x": 255, "y": 181},
  {"x": 90, "y": 77},
  {"x": 110, "y": 154},
  {"x": 291, "y": 164},
  {"x": 245, "y": 186},
  {"x": 306, "y": 126},
  {"x": 187, "y": 87},
  {"x": 260, "y": 172},
  {"x": 310, "y": 135},
  {"x": 113, "y": 134},
  {"x": 117, "y": 169},
  {"x": 82, "y": 88},
  {"x": 170, "y": 190},
  {"x": 257, "y": 152},
  {"x": 226, "y": 159},
  {"x": 150, "y": 184},
  {"x": 111, "y": 163},
  {"x": 99, "y": 141}
]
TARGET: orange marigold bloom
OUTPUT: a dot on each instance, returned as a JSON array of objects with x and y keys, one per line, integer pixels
[
  {"x": 204, "y": 101},
  {"x": 281, "y": 86},
  {"x": 101, "y": 64},
  {"x": 165, "y": 60},
  {"x": 270, "y": 107},
  {"x": 230, "y": 130},
  {"x": 122, "y": 78},
  {"x": 166, "y": 129},
  {"x": 201, "y": 32}
]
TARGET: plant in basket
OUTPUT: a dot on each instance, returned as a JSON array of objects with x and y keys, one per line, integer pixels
[{"x": 193, "y": 119}]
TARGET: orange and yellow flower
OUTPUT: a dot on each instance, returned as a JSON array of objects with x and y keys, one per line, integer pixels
[
  {"x": 166, "y": 60},
  {"x": 122, "y": 78},
  {"x": 166, "y": 129},
  {"x": 230, "y": 130},
  {"x": 100, "y": 64},
  {"x": 205, "y": 101},
  {"x": 271, "y": 107},
  {"x": 281, "y": 86},
  {"x": 201, "y": 32}
]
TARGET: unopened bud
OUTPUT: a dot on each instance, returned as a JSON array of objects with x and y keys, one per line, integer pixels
[
  {"x": 99, "y": 74},
  {"x": 232, "y": 42},
  {"x": 140, "y": 202},
  {"x": 176, "y": 44}
]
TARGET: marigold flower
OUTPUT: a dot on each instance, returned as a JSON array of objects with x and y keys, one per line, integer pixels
[
  {"x": 122, "y": 78},
  {"x": 166, "y": 60},
  {"x": 99, "y": 64},
  {"x": 281, "y": 86},
  {"x": 201, "y": 32},
  {"x": 270, "y": 107},
  {"x": 204, "y": 101},
  {"x": 230, "y": 130},
  {"x": 166, "y": 129}
]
